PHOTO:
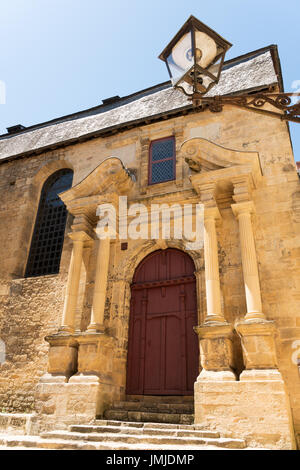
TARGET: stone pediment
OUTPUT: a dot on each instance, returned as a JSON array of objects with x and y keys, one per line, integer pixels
[
  {"x": 211, "y": 163},
  {"x": 109, "y": 179}
]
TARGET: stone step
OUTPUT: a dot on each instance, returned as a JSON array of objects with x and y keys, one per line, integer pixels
[
  {"x": 154, "y": 417},
  {"x": 151, "y": 431},
  {"x": 141, "y": 424},
  {"x": 146, "y": 440},
  {"x": 34, "y": 442},
  {"x": 151, "y": 407},
  {"x": 160, "y": 398}
]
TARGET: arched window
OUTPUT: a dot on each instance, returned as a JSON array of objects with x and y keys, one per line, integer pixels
[{"x": 48, "y": 235}]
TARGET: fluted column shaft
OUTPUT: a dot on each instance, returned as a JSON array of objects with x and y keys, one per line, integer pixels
[
  {"x": 68, "y": 318},
  {"x": 243, "y": 212},
  {"x": 212, "y": 281},
  {"x": 99, "y": 298}
]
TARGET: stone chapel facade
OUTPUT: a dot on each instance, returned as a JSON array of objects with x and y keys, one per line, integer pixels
[{"x": 91, "y": 321}]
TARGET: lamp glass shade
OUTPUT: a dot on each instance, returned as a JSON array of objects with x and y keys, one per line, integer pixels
[
  {"x": 181, "y": 58},
  {"x": 205, "y": 49}
]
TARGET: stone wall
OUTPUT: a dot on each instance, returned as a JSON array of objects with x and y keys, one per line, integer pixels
[
  {"x": 16, "y": 423},
  {"x": 31, "y": 308},
  {"x": 256, "y": 410}
]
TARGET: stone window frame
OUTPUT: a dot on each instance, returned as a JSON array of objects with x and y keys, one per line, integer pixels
[
  {"x": 144, "y": 148},
  {"x": 151, "y": 163}
]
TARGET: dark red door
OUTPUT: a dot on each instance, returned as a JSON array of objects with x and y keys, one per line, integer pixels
[{"x": 163, "y": 348}]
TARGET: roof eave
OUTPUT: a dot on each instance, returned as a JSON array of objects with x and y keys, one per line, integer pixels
[{"x": 122, "y": 127}]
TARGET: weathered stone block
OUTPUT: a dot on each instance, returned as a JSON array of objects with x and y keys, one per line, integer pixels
[{"x": 262, "y": 419}]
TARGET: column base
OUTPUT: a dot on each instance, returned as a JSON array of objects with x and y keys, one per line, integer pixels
[
  {"x": 260, "y": 375},
  {"x": 94, "y": 353},
  {"x": 53, "y": 378},
  {"x": 258, "y": 343},
  {"x": 59, "y": 405},
  {"x": 255, "y": 316},
  {"x": 65, "y": 330},
  {"x": 216, "y": 351},
  {"x": 216, "y": 376},
  {"x": 95, "y": 328},
  {"x": 214, "y": 320},
  {"x": 62, "y": 357},
  {"x": 80, "y": 378}
]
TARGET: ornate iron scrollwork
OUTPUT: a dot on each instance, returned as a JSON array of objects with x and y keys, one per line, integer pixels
[
  {"x": 256, "y": 103},
  {"x": 280, "y": 101}
]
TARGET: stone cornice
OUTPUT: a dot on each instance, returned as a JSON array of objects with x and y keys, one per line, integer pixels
[
  {"x": 214, "y": 330},
  {"x": 213, "y": 164},
  {"x": 110, "y": 177},
  {"x": 102, "y": 186}
]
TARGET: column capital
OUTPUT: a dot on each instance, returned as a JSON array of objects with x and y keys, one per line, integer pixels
[
  {"x": 212, "y": 213},
  {"x": 207, "y": 192},
  {"x": 80, "y": 236},
  {"x": 82, "y": 224},
  {"x": 246, "y": 207},
  {"x": 242, "y": 187}
]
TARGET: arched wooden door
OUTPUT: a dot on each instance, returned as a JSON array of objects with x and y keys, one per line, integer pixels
[{"x": 163, "y": 351}]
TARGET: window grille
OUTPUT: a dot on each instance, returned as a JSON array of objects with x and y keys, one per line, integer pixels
[
  {"x": 162, "y": 161},
  {"x": 48, "y": 235}
]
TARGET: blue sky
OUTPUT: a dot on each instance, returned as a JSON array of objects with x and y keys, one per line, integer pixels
[{"x": 62, "y": 56}]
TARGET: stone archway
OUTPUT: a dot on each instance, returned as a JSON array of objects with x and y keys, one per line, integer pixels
[{"x": 163, "y": 351}]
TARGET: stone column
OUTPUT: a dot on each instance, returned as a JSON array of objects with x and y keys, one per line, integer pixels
[
  {"x": 256, "y": 332},
  {"x": 68, "y": 319},
  {"x": 215, "y": 334},
  {"x": 243, "y": 211},
  {"x": 98, "y": 307},
  {"x": 104, "y": 233},
  {"x": 212, "y": 281}
]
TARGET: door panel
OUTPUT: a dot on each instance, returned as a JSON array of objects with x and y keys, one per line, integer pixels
[
  {"x": 153, "y": 355},
  {"x": 172, "y": 372},
  {"x": 163, "y": 349}
]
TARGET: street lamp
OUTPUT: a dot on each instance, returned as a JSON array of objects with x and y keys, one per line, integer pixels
[{"x": 194, "y": 59}]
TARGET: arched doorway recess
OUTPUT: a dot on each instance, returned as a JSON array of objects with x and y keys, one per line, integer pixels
[{"x": 163, "y": 352}]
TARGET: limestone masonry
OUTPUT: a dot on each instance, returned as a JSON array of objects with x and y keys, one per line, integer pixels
[{"x": 70, "y": 339}]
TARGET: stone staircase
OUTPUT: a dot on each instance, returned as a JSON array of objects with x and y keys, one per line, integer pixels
[
  {"x": 154, "y": 409},
  {"x": 120, "y": 435},
  {"x": 137, "y": 423}
]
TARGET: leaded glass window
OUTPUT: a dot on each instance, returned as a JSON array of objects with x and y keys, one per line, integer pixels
[
  {"x": 162, "y": 161},
  {"x": 48, "y": 235}
]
